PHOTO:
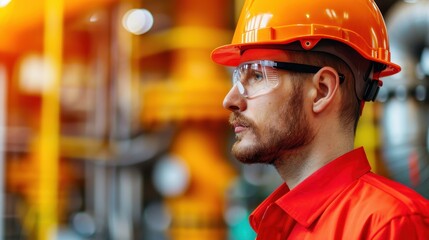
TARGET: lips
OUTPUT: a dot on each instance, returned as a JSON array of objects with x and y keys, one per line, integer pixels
[
  {"x": 238, "y": 123},
  {"x": 239, "y": 128}
]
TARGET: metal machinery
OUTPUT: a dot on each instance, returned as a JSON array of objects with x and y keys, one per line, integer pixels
[
  {"x": 405, "y": 96},
  {"x": 94, "y": 111},
  {"x": 47, "y": 130},
  {"x": 190, "y": 97}
]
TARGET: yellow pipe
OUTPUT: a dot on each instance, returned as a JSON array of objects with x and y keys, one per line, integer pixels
[
  {"x": 192, "y": 98},
  {"x": 367, "y": 135},
  {"x": 50, "y": 129},
  {"x": 179, "y": 38}
]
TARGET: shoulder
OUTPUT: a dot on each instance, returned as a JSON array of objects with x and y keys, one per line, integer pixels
[
  {"x": 387, "y": 193},
  {"x": 381, "y": 207},
  {"x": 374, "y": 196}
]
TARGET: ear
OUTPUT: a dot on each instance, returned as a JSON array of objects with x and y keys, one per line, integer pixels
[{"x": 326, "y": 83}]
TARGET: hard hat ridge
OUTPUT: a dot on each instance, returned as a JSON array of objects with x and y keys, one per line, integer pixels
[{"x": 359, "y": 25}]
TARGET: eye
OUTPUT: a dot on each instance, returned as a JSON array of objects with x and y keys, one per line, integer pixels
[{"x": 256, "y": 77}]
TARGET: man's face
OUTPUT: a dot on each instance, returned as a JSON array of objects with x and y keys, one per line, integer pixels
[
  {"x": 269, "y": 126},
  {"x": 274, "y": 131}
]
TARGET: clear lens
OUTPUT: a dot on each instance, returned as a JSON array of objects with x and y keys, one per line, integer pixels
[{"x": 255, "y": 78}]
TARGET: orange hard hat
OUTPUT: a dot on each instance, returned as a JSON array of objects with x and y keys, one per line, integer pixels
[{"x": 358, "y": 24}]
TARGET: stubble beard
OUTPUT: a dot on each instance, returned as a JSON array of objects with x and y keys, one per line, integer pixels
[{"x": 279, "y": 139}]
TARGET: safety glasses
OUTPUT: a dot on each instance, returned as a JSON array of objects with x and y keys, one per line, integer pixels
[{"x": 256, "y": 78}]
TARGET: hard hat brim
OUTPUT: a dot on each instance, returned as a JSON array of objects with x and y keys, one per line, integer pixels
[{"x": 230, "y": 55}]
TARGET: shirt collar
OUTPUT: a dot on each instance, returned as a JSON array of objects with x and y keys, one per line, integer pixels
[{"x": 307, "y": 201}]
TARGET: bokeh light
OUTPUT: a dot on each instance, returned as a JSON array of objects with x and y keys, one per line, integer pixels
[
  {"x": 137, "y": 21},
  {"x": 4, "y": 3}
]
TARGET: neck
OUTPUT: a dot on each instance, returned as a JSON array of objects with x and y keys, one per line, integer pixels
[{"x": 295, "y": 166}]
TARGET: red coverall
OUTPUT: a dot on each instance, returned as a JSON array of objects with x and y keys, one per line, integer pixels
[{"x": 343, "y": 200}]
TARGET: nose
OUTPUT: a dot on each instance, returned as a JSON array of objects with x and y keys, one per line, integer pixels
[{"x": 234, "y": 101}]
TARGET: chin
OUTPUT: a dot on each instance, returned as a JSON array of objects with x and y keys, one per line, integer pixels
[
  {"x": 248, "y": 153},
  {"x": 243, "y": 145}
]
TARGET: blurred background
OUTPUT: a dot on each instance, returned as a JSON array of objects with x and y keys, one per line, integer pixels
[{"x": 112, "y": 127}]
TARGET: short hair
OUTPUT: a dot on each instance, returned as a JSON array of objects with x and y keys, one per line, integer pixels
[{"x": 350, "y": 109}]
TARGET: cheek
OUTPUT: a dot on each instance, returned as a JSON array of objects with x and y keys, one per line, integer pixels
[
  {"x": 268, "y": 116},
  {"x": 268, "y": 110},
  {"x": 261, "y": 113}
]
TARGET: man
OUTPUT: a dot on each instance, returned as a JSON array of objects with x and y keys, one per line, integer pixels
[{"x": 303, "y": 70}]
